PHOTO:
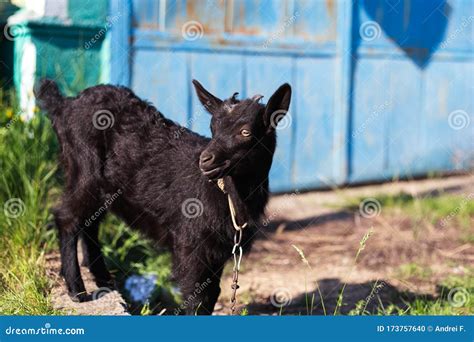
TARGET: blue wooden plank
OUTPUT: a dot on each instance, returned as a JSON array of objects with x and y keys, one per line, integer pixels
[
  {"x": 202, "y": 16},
  {"x": 120, "y": 32},
  {"x": 314, "y": 155},
  {"x": 343, "y": 92},
  {"x": 448, "y": 129},
  {"x": 264, "y": 76},
  {"x": 460, "y": 29},
  {"x": 161, "y": 77},
  {"x": 145, "y": 13},
  {"x": 154, "y": 39},
  {"x": 223, "y": 79},
  {"x": 369, "y": 123},
  {"x": 322, "y": 29},
  {"x": 402, "y": 108},
  {"x": 258, "y": 17}
]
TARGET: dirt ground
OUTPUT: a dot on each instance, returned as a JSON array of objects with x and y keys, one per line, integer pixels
[
  {"x": 274, "y": 278},
  {"x": 103, "y": 300}
]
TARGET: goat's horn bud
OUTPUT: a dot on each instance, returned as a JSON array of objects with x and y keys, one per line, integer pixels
[
  {"x": 234, "y": 96},
  {"x": 257, "y": 97}
]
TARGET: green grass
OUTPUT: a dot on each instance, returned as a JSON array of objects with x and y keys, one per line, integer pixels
[
  {"x": 26, "y": 190},
  {"x": 455, "y": 296},
  {"x": 413, "y": 270},
  {"x": 443, "y": 209}
]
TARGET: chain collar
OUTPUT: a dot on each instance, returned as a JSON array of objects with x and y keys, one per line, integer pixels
[{"x": 236, "y": 249}]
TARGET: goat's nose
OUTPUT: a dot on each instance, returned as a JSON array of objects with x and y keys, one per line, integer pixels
[{"x": 207, "y": 158}]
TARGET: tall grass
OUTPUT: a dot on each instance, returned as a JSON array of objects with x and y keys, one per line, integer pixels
[
  {"x": 27, "y": 175},
  {"x": 362, "y": 245}
]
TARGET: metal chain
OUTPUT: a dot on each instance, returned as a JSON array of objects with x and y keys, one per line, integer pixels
[
  {"x": 236, "y": 249},
  {"x": 237, "y": 254}
]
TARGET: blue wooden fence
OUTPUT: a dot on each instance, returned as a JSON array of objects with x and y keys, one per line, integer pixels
[{"x": 382, "y": 88}]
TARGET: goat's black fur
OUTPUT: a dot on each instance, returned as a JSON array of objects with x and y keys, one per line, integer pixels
[{"x": 144, "y": 167}]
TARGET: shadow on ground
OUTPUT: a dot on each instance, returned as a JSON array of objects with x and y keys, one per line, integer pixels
[{"x": 367, "y": 297}]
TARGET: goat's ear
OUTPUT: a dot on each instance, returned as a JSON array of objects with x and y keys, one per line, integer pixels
[
  {"x": 209, "y": 101},
  {"x": 277, "y": 106}
]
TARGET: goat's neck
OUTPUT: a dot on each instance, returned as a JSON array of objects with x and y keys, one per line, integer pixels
[{"x": 246, "y": 196}]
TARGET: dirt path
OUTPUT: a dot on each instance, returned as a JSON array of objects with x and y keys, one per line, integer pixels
[
  {"x": 105, "y": 301},
  {"x": 274, "y": 278}
]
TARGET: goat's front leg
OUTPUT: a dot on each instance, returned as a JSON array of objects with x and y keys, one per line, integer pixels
[
  {"x": 200, "y": 296},
  {"x": 200, "y": 286}
]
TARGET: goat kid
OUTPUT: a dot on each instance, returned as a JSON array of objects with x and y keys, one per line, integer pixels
[{"x": 112, "y": 142}]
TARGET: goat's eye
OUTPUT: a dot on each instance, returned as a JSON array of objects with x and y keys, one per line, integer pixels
[{"x": 245, "y": 133}]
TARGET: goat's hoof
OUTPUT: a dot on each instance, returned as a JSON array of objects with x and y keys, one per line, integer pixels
[
  {"x": 78, "y": 297},
  {"x": 85, "y": 263},
  {"x": 109, "y": 283}
]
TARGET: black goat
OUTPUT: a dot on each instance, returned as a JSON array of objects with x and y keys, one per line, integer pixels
[{"x": 120, "y": 154}]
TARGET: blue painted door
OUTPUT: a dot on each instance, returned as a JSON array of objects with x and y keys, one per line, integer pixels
[
  {"x": 375, "y": 82},
  {"x": 412, "y": 91}
]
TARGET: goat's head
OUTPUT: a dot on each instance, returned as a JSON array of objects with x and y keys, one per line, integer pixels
[{"x": 243, "y": 131}]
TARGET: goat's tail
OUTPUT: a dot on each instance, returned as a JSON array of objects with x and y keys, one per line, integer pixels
[{"x": 49, "y": 97}]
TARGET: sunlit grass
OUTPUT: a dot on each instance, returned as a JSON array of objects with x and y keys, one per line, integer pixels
[
  {"x": 413, "y": 270},
  {"x": 443, "y": 209},
  {"x": 26, "y": 183}
]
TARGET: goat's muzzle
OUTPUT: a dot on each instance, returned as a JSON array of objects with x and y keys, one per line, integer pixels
[{"x": 210, "y": 168}]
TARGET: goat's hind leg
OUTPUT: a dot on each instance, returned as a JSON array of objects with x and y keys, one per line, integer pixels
[
  {"x": 72, "y": 222},
  {"x": 69, "y": 229},
  {"x": 92, "y": 253}
]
